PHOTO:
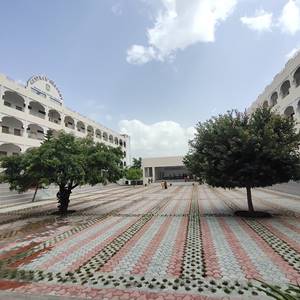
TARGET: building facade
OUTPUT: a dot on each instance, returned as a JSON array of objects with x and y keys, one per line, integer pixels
[
  {"x": 28, "y": 112},
  {"x": 170, "y": 168},
  {"x": 283, "y": 93}
]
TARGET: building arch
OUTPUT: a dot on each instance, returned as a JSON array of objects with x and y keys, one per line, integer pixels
[
  {"x": 124, "y": 144},
  {"x": 105, "y": 136},
  {"x": 13, "y": 100},
  {"x": 54, "y": 116},
  {"x": 98, "y": 134},
  {"x": 265, "y": 104},
  {"x": 289, "y": 112},
  {"x": 285, "y": 88},
  {"x": 90, "y": 131},
  {"x": 80, "y": 126},
  {"x": 111, "y": 138},
  {"x": 116, "y": 141},
  {"x": 9, "y": 149},
  {"x": 297, "y": 77},
  {"x": 273, "y": 99},
  {"x": 120, "y": 142},
  {"x": 37, "y": 109},
  {"x": 35, "y": 132},
  {"x": 11, "y": 125},
  {"x": 69, "y": 122}
]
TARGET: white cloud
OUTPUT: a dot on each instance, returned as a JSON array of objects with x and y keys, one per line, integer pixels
[
  {"x": 166, "y": 138},
  {"x": 261, "y": 21},
  {"x": 140, "y": 55},
  {"x": 179, "y": 24},
  {"x": 292, "y": 53},
  {"x": 117, "y": 9},
  {"x": 289, "y": 20}
]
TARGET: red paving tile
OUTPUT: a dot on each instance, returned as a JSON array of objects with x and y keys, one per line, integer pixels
[{"x": 172, "y": 278}]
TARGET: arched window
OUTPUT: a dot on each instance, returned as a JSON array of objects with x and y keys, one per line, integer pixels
[
  {"x": 69, "y": 122},
  {"x": 80, "y": 126},
  {"x": 285, "y": 88},
  {"x": 274, "y": 98},
  {"x": 289, "y": 112},
  {"x": 9, "y": 149},
  {"x": 297, "y": 77},
  {"x": 120, "y": 142},
  {"x": 98, "y": 134},
  {"x": 37, "y": 109},
  {"x": 265, "y": 104},
  {"x": 35, "y": 132},
  {"x": 14, "y": 100},
  {"x": 90, "y": 131},
  {"x": 111, "y": 138},
  {"x": 105, "y": 136},
  {"x": 54, "y": 116},
  {"x": 116, "y": 141},
  {"x": 11, "y": 125}
]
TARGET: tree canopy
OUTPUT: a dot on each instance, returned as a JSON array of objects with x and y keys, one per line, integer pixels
[
  {"x": 65, "y": 161},
  {"x": 241, "y": 150},
  {"x": 133, "y": 174},
  {"x": 137, "y": 163}
]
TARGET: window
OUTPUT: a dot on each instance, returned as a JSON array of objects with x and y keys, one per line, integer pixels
[
  {"x": 3, "y": 153},
  {"x": 5, "y": 129},
  {"x": 17, "y": 131},
  {"x": 7, "y": 104},
  {"x": 19, "y": 108}
]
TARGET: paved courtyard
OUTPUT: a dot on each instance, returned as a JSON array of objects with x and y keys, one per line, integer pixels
[{"x": 149, "y": 243}]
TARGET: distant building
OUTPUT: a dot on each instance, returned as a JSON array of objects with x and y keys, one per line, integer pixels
[
  {"x": 283, "y": 93},
  {"x": 28, "y": 112},
  {"x": 164, "y": 168}
]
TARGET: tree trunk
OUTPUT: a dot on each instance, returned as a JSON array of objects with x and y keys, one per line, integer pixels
[
  {"x": 36, "y": 189},
  {"x": 63, "y": 199},
  {"x": 249, "y": 199}
]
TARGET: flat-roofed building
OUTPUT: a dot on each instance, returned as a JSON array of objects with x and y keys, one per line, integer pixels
[
  {"x": 28, "y": 112},
  {"x": 170, "y": 168}
]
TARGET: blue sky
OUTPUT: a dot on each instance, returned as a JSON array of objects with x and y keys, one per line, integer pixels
[{"x": 151, "y": 68}]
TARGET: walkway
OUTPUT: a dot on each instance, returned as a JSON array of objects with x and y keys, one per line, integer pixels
[{"x": 149, "y": 243}]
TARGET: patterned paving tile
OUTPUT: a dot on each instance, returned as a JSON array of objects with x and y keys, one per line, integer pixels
[{"x": 151, "y": 243}]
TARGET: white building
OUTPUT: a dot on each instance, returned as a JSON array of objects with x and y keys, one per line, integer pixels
[
  {"x": 156, "y": 169},
  {"x": 283, "y": 93},
  {"x": 27, "y": 112}
]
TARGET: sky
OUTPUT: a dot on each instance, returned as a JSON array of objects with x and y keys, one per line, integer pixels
[{"x": 151, "y": 68}]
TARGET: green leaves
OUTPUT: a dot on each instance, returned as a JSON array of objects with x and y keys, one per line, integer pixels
[
  {"x": 65, "y": 161},
  {"x": 238, "y": 150},
  {"x": 134, "y": 173}
]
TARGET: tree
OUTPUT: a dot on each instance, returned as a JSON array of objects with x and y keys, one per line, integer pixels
[
  {"x": 245, "y": 151},
  {"x": 137, "y": 163},
  {"x": 134, "y": 174},
  {"x": 65, "y": 161}
]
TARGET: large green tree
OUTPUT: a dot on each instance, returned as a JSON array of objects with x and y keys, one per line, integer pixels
[
  {"x": 137, "y": 163},
  {"x": 245, "y": 151},
  {"x": 134, "y": 174},
  {"x": 65, "y": 161}
]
